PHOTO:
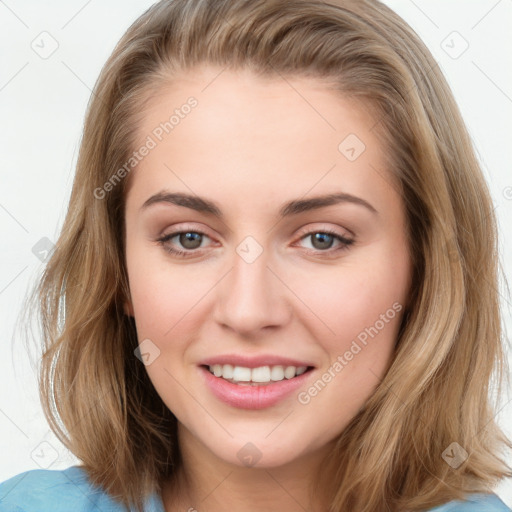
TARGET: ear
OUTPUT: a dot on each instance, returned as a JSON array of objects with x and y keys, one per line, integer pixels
[{"x": 128, "y": 308}]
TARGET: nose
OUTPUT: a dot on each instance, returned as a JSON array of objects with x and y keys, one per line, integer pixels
[{"x": 252, "y": 296}]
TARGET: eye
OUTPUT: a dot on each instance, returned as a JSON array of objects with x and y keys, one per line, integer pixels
[
  {"x": 323, "y": 240},
  {"x": 190, "y": 240}
]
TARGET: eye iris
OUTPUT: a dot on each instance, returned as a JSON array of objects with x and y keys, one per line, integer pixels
[
  {"x": 321, "y": 237},
  {"x": 190, "y": 240}
]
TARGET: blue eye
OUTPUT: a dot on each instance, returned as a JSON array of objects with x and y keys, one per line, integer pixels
[
  {"x": 325, "y": 239},
  {"x": 192, "y": 240}
]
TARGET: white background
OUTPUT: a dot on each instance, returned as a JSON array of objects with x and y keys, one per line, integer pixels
[{"x": 42, "y": 104}]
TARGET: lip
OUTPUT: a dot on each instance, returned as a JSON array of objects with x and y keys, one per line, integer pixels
[
  {"x": 253, "y": 361},
  {"x": 249, "y": 396}
]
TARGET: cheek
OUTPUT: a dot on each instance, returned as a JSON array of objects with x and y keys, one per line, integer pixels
[
  {"x": 167, "y": 303},
  {"x": 163, "y": 295},
  {"x": 347, "y": 301},
  {"x": 358, "y": 308},
  {"x": 364, "y": 311}
]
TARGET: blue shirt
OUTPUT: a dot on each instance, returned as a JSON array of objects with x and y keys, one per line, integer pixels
[{"x": 69, "y": 490}]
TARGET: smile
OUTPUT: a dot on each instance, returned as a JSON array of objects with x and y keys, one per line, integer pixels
[
  {"x": 253, "y": 388},
  {"x": 254, "y": 376}
]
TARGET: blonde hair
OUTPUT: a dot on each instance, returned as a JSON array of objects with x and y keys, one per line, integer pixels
[{"x": 96, "y": 394}]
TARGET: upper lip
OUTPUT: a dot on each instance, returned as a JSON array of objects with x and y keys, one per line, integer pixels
[{"x": 253, "y": 361}]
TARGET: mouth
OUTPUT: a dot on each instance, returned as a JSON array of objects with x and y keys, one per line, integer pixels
[
  {"x": 256, "y": 387},
  {"x": 258, "y": 376},
  {"x": 255, "y": 381}
]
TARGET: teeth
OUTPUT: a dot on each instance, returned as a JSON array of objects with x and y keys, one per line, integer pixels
[
  {"x": 261, "y": 374},
  {"x": 240, "y": 373},
  {"x": 227, "y": 371},
  {"x": 289, "y": 372}
]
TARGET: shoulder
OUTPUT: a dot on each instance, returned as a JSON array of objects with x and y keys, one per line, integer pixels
[
  {"x": 475, "y": 503},
  {"x": 43, "y": 490}
]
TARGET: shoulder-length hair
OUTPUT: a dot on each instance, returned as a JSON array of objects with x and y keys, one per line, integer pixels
[{"x": 96, "y": 394}]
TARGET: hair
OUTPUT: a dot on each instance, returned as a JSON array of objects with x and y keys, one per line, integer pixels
[{"x": 97, "y": 396}]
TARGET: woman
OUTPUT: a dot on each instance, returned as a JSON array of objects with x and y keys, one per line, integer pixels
[{"x": 277, "y": 275}]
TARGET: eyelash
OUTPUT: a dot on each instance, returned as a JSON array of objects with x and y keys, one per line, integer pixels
[{"x": 345, "y": 242}]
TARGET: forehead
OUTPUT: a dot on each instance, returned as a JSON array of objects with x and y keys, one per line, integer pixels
[
  {"x": 212, "y": 128},
  {"x": 231, "y": 99}
]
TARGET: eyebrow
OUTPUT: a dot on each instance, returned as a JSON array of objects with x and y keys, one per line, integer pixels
[{"x": 294, "y": 207}]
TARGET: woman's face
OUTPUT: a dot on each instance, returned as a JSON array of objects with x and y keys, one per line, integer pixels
[{"x": 295, "y": 255}]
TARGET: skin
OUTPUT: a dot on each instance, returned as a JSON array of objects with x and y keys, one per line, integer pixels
[{"x": 252, "y": 144}]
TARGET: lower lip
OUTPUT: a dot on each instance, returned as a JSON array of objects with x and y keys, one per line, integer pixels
[{"x": 252, "y": 397}]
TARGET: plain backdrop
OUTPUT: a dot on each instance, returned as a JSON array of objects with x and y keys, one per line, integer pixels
[{"x": 51, "y": 56}]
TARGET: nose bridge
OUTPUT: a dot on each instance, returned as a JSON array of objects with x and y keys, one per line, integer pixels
[{"x": 251, "y": 297}]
